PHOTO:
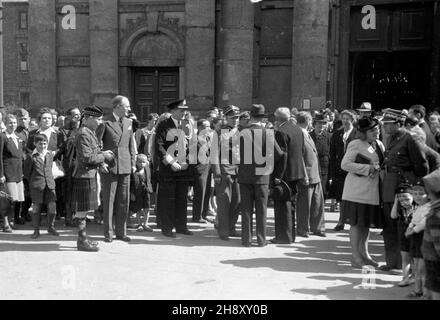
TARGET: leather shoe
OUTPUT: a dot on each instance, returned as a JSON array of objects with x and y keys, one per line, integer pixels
[
  {"x": 319, "y": 234},
  {"x": 108, "y": 239},
  {"x": 370, "y": 262},
  {"x": 53, "y": 232},
  {"x": 263, "y": 244},
  {"x": 303, "y": 234},
  {"x": 125, "y": 239},
  {"x": 185, "y": 232},
  {"x": 247, "y": 245},
  {"x": 235, "y": 234},
  {"x": 339, "y": 227},
  {"x": 169, "y": 234},
  {"x": 277, "y": 241},
  {"x": 224, "y": 238},
  {"x": 36, "y": 234},
  {"x": 86, "y": 245}
]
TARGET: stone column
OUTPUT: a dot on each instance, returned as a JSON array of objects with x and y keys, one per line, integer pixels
[
  {"x": 199, "y": 53},
  {"x": 104, "y": 51},
  {"x": 42, "y": 53},
  {"x": 236, "y": 53},
  {"x": 309, "y": 55},
  {"x": 435, "y": 66}
]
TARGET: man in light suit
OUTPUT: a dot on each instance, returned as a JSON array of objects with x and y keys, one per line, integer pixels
[
  {"x": 290, "y": 137},
  {"x": 310, "y": 205},
  {"x": 116, "y": 134}
]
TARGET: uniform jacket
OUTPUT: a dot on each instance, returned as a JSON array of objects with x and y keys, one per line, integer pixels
[
  {"x": 337, "y": 151},
  {"x": 405, "y": 160},
  {"x": 311, "y": 160},
  {"x": 119, "y": 140},
  {"x": 161, "y": 147},
  {"x": 294, "y": 142},
  {"x": 11, "y": 159},
  {"x": 39, "y": 172},
  {"x": 322, "y": 143},
  {"x": 359, "y": 187},
  {"x": 88, "y": 154},
  {"x": 229, "y": 138},
  {"x": 250, "y": 150}
]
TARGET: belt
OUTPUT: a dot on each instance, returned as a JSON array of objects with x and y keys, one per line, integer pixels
[{"x": 392, "y": 169}]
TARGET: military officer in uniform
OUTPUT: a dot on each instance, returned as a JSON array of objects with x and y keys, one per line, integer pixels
[
  {"x": 174, "y": 171},
  {"x": 225, "y": 174},
  {"x": 404, "y": 161}
]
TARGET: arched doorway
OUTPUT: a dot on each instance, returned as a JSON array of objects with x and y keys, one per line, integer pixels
[{"x": 152, "y": 70}]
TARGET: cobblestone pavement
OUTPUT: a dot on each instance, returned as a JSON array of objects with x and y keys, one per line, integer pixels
[{"x": 199, "y": 267}]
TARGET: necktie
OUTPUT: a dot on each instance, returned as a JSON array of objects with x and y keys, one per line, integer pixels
[{"x": 121, "y": 123}]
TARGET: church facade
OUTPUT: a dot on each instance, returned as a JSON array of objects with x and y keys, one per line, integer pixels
[{"x": 299, "y": 53}]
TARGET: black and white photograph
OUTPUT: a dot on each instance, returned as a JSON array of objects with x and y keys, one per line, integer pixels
[{"x": 219, "y": 155}]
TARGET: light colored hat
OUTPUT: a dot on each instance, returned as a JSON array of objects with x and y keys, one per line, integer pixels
[{"x": 365, "y": 106}]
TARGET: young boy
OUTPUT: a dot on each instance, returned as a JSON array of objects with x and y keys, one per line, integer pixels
[
  {"x": 403, "y": 209},
  {"x": 431, "y": 236},
  {"x": 140, "y": 191},
  {"x": 38, "y": 170},
  {"x": 415, "y": 234}
]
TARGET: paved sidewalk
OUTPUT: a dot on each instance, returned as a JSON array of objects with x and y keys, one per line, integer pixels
[{"x": 200, "y": 267}]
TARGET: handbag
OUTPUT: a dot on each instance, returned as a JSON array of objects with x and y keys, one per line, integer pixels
[
  {"x": 57, "y": 170},
  {"x": 361, "y": 159}
]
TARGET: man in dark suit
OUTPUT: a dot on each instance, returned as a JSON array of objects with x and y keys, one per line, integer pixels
[
  {"x": 321, "y": 138},
  {"x": 310, "y": 205},
  {"x": 419, "y": 112},
  {"x": 290, "y": 137},
  {"x": 405, "y": 161},
  {"x": 174, "y": 171},
  {"x": 116, "y": 135},
  {"x": 256, "y": 142}
]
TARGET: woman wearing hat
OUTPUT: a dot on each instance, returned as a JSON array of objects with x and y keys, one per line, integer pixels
[
  {"x": 338, "y": 144},
  {"x": 361, "y": 195},
  {"x": 88, "y": 158}
]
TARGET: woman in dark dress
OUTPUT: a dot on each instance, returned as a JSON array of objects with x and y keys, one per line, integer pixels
[
  {"x": 338, "y": 145},
  {"x": 11, "y": 170},
  {"x": 85, "y": 187}
]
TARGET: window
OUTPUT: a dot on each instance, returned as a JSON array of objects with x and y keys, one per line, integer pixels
[
  {"x": 23, "y": 20},
  {"x": 24, "y": 99},
  {"x": 23, "y": 57}
]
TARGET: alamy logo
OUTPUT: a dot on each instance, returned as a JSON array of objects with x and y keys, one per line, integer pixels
[
  {"x": 368, "y": 277},
  {"x": 369, "y": 20},
  {"x": 230, "y": 147},
  {"x": 69, "y": 20}
]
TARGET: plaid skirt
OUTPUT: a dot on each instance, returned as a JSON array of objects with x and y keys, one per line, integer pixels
[{"x": 84, "y": 194}]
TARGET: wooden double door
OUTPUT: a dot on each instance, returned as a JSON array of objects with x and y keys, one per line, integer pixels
[{"x": 154, "y": 89}]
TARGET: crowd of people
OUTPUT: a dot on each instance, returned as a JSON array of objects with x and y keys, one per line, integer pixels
[{"x": 379, "y": 170}]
